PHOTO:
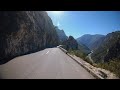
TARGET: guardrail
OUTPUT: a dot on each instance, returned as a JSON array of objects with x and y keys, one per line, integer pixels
[{"x": 89, "y": 70}]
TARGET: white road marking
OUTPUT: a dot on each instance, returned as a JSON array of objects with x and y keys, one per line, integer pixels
[
  {"x": 42, "y": 54},
  {"x": 47, "y": 52}
]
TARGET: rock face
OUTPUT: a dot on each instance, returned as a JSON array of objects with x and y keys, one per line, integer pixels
[
  {"x": 70, "y": 43},
  {"x": 23, "y": 32},
  {"x": 61, "y": 34}
]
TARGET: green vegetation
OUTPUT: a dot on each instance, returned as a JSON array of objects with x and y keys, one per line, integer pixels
[
  {"x": 109, "y": 48},
  {"x": 80, "y": 50},
  {"x": 106, "y": 54},
  {"x": 80, "y": 54},
  {"x": 88, "y": 60},
  {"x": 113, "y": 66},
  {"x": 83, "y": 48}
]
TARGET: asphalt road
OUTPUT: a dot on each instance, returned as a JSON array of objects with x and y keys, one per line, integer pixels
[{"x": 51, "y": 63}]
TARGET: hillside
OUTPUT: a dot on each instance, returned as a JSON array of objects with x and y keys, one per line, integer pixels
[
  {"x": 70, "y": 44},
  {"x": 109, "y": 49},
  {"x": 83, "y": 48},
  {"x": 90, "y": 40},
  {"x": 23, "y": 32},
  {"x": 74, "y": 48}
]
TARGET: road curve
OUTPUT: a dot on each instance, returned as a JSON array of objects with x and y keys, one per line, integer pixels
[{"x": 51, "y": 63}]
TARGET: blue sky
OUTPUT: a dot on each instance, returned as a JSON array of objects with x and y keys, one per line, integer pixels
[{"x": 78, "y": 23}]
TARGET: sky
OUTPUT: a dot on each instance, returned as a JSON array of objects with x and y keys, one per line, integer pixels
[{"x": 78, "y": 23}]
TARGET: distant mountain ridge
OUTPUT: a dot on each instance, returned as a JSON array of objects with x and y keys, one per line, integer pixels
[{"x": 90, "y": 40}]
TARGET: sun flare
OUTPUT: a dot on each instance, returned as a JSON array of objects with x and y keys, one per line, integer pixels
[{"x": 56, "y": 12}]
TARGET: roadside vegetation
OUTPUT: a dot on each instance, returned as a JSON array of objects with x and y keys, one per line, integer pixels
[
  {"x": 80, "y": 54},
  {"x": 112, "y": 65},
  {"x": 106, "y": 55},
  {"x": 77, "y": 53}
]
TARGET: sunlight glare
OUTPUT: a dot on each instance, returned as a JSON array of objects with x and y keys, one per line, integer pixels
[{"x": 56, "y": 12}]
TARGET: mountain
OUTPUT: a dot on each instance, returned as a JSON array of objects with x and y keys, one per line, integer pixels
[
  {"x": 108, "y": 49},
  {"x": 97, "y": 43},
  {"x": 71, "y": 44},
  {"x": 61, "y": 34},
  {"x": 23, "y": 32},
  {"x": 90, "y": 40},
  {"x": 83, "y": 48}
]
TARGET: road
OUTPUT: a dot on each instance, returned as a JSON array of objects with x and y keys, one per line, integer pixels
[
  {"x": 89, "y": 56},
  {"x": 51, "y": 63}
]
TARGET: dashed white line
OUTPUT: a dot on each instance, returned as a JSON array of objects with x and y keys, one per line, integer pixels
[{"x": 47, "y": 52}]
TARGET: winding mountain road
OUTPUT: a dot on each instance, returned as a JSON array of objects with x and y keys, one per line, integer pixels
[{"x": 51, "y": 63}]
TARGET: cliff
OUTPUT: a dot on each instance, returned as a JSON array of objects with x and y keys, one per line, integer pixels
[{"x": 23, "y": 32}]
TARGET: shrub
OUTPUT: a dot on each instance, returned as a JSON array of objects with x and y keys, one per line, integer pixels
[
  {"x": 112, "y": 65},
  {"x": 88, "y": 60},
  {"x": 80, "y": 54}
]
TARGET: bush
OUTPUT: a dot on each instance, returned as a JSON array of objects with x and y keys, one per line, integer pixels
[
  {"x": 112, "y": 65},
  {"x": 81, "y": 55},
  {"x": 88, "y": 60},
  {"x": 77, "y": 53}
]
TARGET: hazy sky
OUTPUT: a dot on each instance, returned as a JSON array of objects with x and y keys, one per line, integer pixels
[{"x": 77, "y": 23}]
